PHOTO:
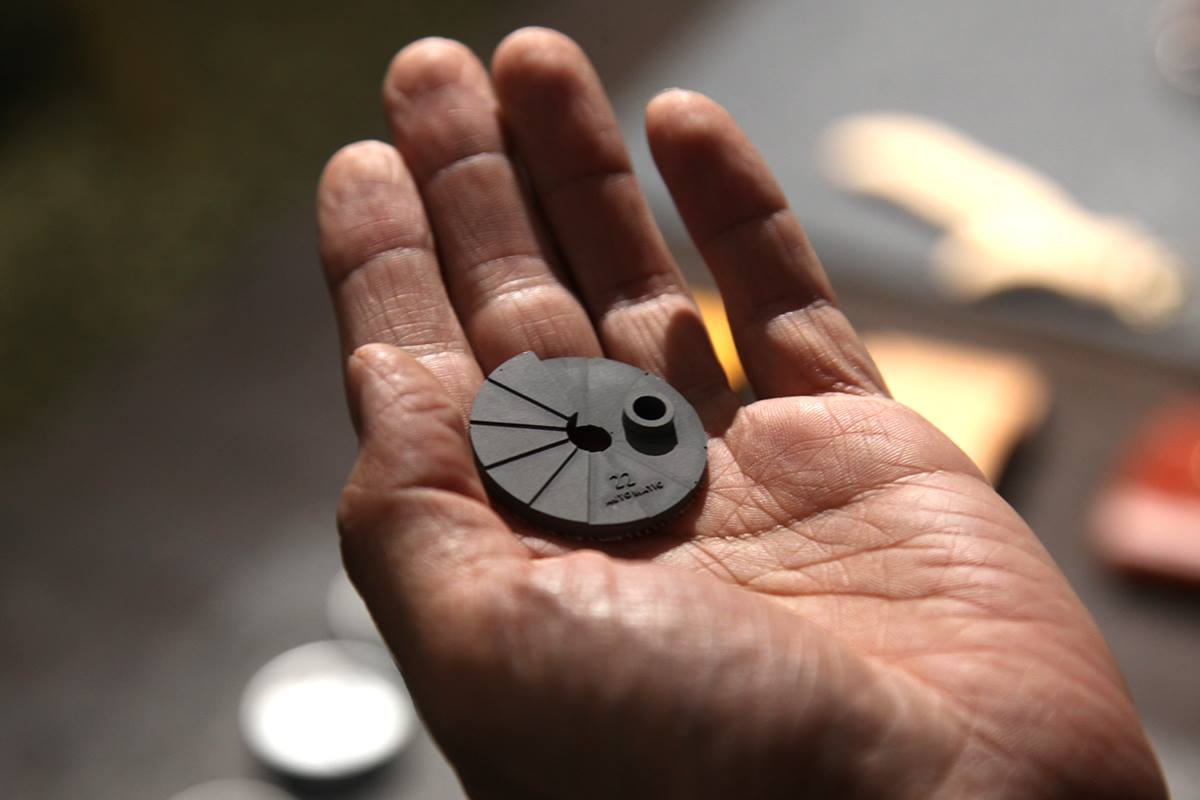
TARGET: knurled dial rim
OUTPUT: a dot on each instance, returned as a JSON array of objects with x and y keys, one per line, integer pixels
[{"x": 589, "y": 448}]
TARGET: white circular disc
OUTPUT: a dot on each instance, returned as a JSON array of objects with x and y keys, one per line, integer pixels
[
  {"x": 327, "y": 710},
  {"x": 346, "y": 613},
  {"x": 233, "y": 789}
]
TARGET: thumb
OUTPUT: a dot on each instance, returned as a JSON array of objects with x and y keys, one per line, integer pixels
[{"x": 414, "y": 520}]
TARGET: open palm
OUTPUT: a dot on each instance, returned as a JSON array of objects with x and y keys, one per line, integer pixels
[{"x": 848, "y": 609}]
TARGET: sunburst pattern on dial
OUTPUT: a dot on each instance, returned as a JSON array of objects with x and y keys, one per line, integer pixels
[{"x": 586, "y": 447}]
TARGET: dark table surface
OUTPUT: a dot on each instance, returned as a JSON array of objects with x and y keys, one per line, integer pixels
[{"x": 169, "y": 527}]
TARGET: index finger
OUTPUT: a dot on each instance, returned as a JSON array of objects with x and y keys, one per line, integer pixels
[{"x": 381, "y": 267}]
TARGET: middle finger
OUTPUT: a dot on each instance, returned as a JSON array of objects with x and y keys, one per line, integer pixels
[
  {"x": 445, "y": 122},
  {"x": 565, "y": 130}
]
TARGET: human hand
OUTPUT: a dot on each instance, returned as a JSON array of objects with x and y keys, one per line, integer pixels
[{"x": 847, "y": 609}]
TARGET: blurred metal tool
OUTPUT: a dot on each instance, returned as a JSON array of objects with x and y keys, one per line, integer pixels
[
  {"x": 1177, "y": 45},
  {"x": 233, "y": 789},
  {"x": 327, "y": 710},
  {"x": 1006, "y": 226}
]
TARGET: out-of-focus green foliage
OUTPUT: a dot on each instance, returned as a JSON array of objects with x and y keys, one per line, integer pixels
[{"x": 141, "y": 141}]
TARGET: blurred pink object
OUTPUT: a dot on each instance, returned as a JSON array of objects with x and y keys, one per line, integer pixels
[{"x": 1148, "y": 520}]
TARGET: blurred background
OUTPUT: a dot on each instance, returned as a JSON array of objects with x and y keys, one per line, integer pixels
[{"x": 1005, "y": 195}]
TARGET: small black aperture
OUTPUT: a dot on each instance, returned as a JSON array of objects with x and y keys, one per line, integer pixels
[
  {"x": 649, "y": 422},
  {"x": 650, "y": 407},
  {"x": 592, "y": 438}
]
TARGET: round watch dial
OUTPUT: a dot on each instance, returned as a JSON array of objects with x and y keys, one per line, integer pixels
[{"x": 586, "y": 447}]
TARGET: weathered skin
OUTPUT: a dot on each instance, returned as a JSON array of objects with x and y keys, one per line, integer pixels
[{"x": 847, "y": 610}]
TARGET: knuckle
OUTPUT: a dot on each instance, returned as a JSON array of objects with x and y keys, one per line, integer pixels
[{"x": 359, "y": 513}]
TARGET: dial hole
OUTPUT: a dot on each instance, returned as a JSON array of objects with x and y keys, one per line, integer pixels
[
  {"x": 592, "y": 438},
  {"x": 649, "y": 407}
]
